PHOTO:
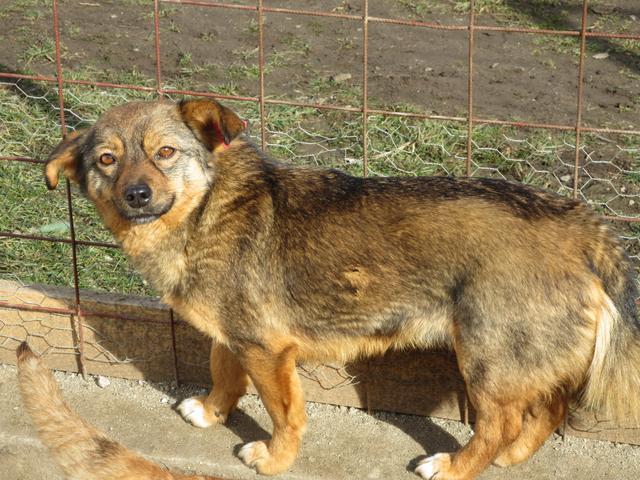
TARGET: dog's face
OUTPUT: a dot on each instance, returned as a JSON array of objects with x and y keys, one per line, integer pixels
[{"x": 141, "y": 160}]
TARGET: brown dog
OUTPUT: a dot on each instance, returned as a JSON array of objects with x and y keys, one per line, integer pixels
[{"x": 281, "y": 264}]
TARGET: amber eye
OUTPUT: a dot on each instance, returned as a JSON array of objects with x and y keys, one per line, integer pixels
[
  {"x": 166, "y": 152},
  {"x": 107, "y": 159}
]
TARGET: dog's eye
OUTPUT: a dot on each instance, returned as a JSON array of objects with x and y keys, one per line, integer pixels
[
  {"x": 107, "y": 159},
  {"x": 166, "y": 152}
]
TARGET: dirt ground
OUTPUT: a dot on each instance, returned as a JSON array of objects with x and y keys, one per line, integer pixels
[
  {"x": 340, "y": 443},
  {"x": 517, "y": 76}
]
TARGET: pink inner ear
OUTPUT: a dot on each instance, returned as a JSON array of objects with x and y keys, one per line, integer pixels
[
  {"x": 245, "y": 124},
  {"x": 219, "y": 133}
]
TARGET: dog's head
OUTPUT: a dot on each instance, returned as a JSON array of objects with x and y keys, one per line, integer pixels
[{"x": 140, "y": 161}]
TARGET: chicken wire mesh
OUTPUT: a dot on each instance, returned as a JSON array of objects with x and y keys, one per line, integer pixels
[{"x": 366, "y": 115}]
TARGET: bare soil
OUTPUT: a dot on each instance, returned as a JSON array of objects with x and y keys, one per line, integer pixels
[{"x": 517, "y": 76}]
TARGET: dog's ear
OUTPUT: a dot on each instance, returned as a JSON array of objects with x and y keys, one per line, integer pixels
[
  {"x": 65, "y": 157},
  {"x": 213, "y": 123}
]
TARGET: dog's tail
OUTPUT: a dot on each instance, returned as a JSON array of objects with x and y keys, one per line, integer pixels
[
  {"x": 613, "y": 383},
  {"x": 82, "y": 451}
]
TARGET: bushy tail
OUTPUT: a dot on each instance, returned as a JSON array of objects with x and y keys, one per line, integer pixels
[
  {"x": 82, "y": 451},
  {"x": 613, "y": 384}
]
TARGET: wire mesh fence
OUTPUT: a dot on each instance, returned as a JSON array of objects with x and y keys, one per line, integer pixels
[{"x": 373, "y": 88}]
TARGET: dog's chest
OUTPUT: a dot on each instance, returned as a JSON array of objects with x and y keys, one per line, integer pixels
[
  {"x": 198, "y": 314},
  {"x": 166, "y": 273},
  {"x": 162, "y": 263}
]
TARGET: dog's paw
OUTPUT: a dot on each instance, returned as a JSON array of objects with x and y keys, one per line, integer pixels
[
  {"x": 435, "y": 467},
  {"x": 256, "y": 455},
  {"x": 193, "y": 411}
]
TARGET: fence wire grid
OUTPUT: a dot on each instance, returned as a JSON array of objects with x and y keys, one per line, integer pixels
[{"x": 341, "y": 125}]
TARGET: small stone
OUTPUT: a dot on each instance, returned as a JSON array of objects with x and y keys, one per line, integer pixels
[
  {"x": 632, "y": 203},
  {"x": 494, "y": 65},
  {"x": 164, "y": 400},
  {"x": 565, "y": 178},
  {"x": 103, "y": 382},
  {"x": 341, "y": 77},
  {"x": 601, "y": 56},
  {"x": 633, "y": 18}
]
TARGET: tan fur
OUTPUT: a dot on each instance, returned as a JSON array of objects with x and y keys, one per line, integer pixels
[
  {"x": 198, "y": 315},
  {"x": 609, "y": 390},
  {"x": 232, "y": 379},
  {"x": 83, "y": 452},
  {"x": 540, "y": 420},
  {"x": 64, "y": 162},
  {"x": 274, "y": 376}
]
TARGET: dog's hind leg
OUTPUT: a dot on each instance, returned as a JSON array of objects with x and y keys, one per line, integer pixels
[
  {"x": 539, "y": 422},
  {"x": 276, "y": 379},
  {"x": 230, "y": 382},
  {"x": 498, "y": 424}
]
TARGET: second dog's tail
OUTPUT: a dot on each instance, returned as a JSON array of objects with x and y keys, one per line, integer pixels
[
  {"x": 82, "y": 451},
  {"x": 613, "y": 383}
]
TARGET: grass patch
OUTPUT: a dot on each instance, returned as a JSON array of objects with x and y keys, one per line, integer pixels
[
  {"x": 26, "y": 206},
  {"x": 35, "y": 262},
  {"x": 31, "y": 9},
  {"x": 188, "y": 68},
  {"x": 42, "y": 49},
  {"x": 108, "y": 269}
]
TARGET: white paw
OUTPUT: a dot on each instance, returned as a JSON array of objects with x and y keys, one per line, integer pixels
[
  {"x": 430, "y": 467},
  {"x": 192, "y": 410},
  {"x": 253, "y": 452}
]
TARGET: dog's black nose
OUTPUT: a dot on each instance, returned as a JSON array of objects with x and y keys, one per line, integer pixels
[{"x": 137, "y": 196}]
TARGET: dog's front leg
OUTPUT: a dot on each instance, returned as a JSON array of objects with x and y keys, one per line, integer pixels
[
  {"x": 229, "y": 384},
  {"x": 276, "y": 379}
]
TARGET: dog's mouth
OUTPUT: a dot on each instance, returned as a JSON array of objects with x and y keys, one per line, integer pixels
[
  {"x": 147, "y": 217},
  {"x": 144, "y": 218}
]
